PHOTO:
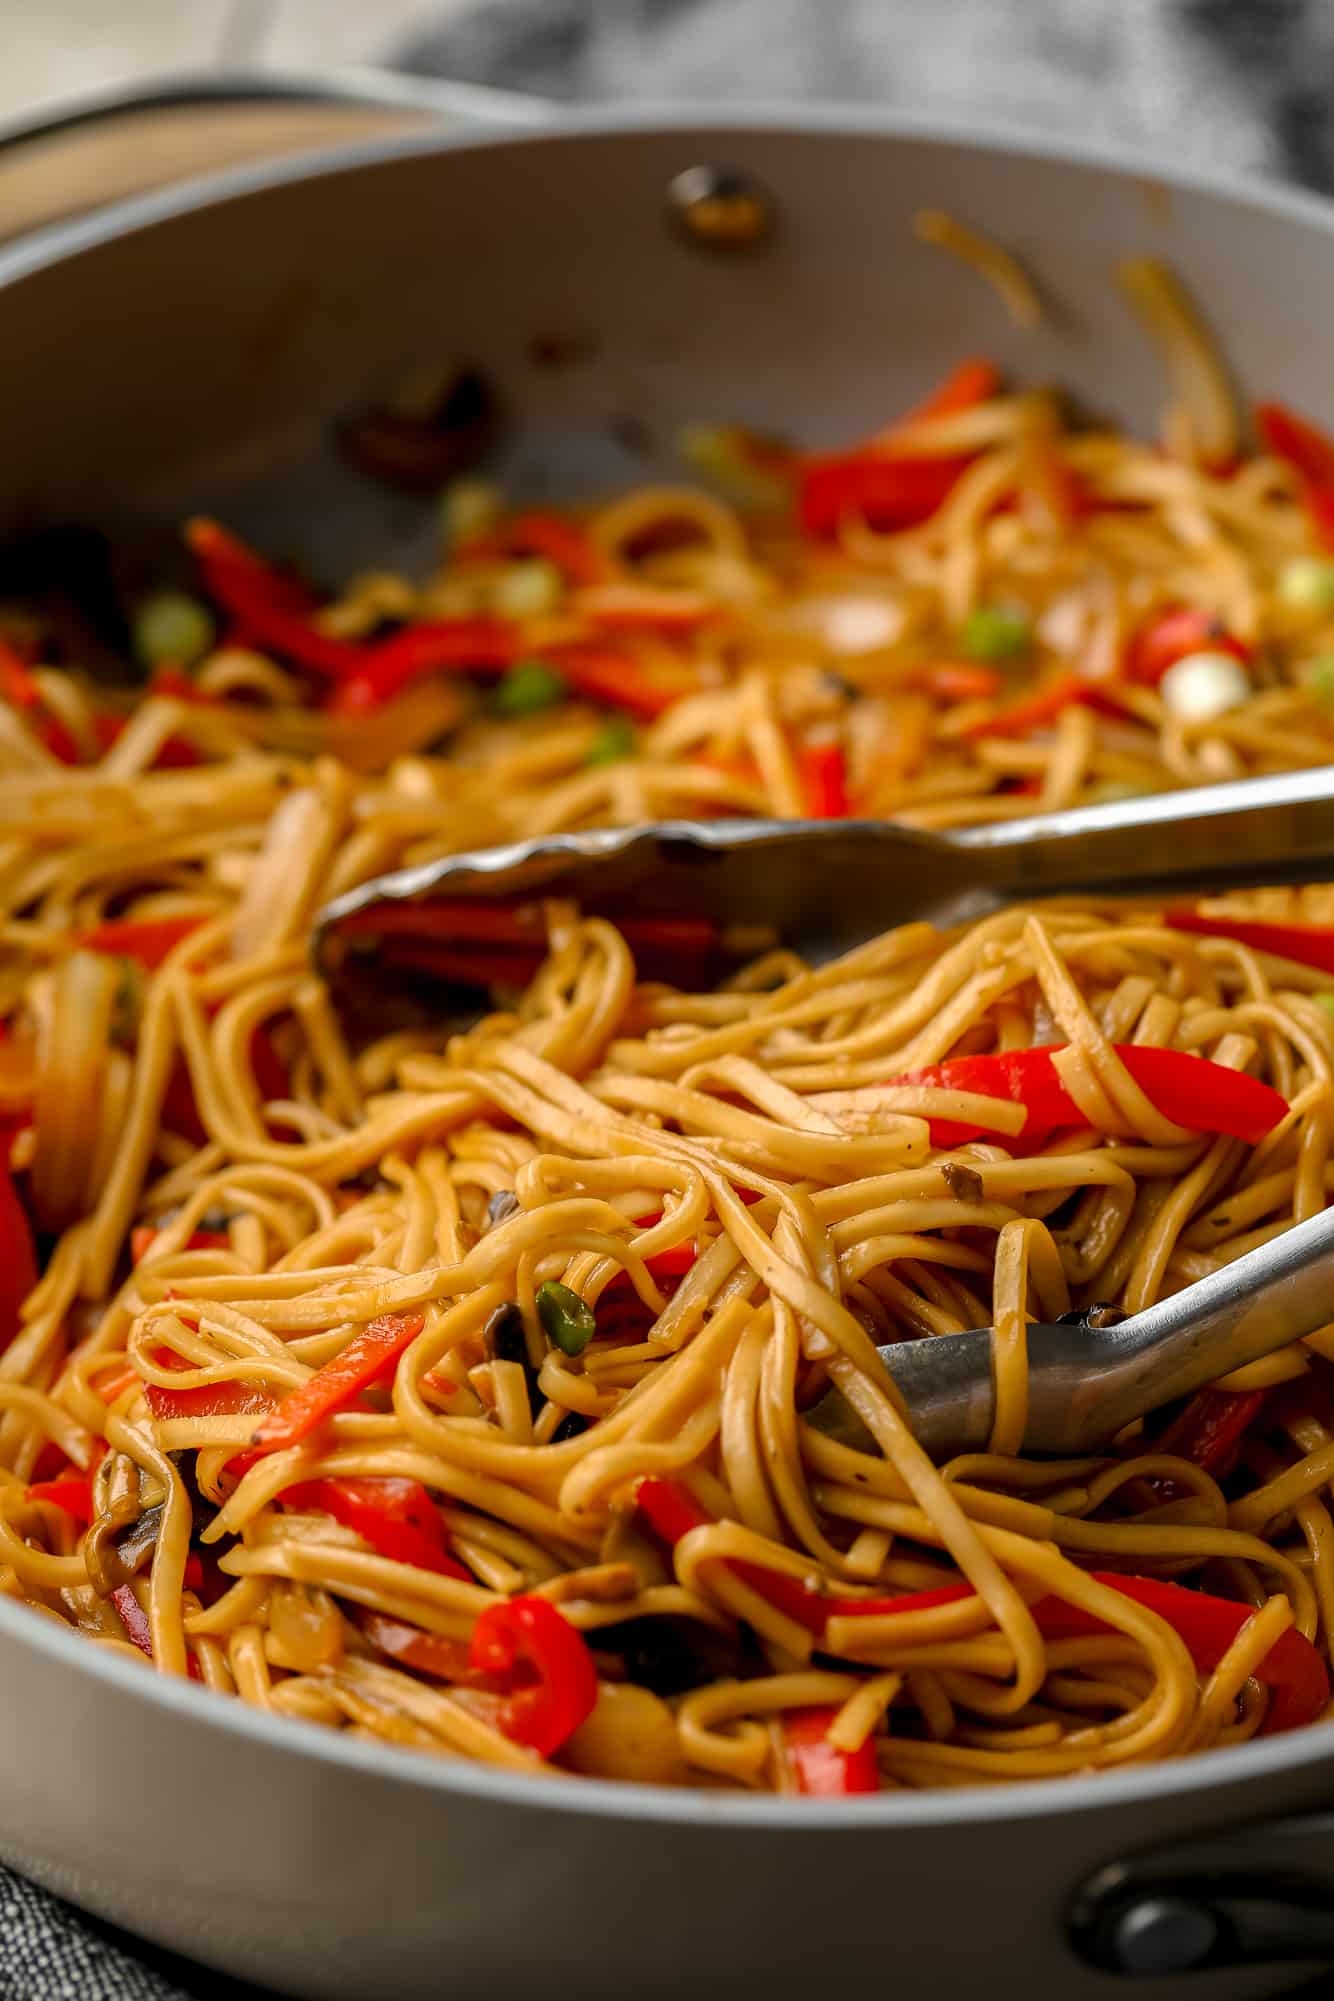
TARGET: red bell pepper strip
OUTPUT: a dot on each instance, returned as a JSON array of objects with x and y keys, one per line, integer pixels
[
  {"x": 143, "y": 1237},
  {"x": 18, "y": 1257},
  {"x": 1210, "y": 1430},
  {"x": 1043, "y": 705},
  {"x": 231, "y": 1398},
  {"x": 242, "y": 578},
  {"x": 272, "y": 610},
  {"x": 1293, "y": 1670},
  {"x": 1311, "y": 455},
  {"x": 461, "y": 920},
  {"x": 73, "y": 1493},
  {"x": 17, "y": 685},
  {"x": 674, "y": 1262},
  {"x": 368, "y": 1357},
  {"x": 19, "y": 688},
  {"x": 452, "y": 921},
  {"x": 1067, "y": 497},
  {"x": 1307, "y": 944},
  {"x": 889, "y": 493},
  {"x": 562, "y": 542},
  {"x": 530, "y": 1635},
  {"x": 975, "y": 380},
  {"x": 50, "y": 1461},
  {"x": 490, "y": 944},
  {"x": 276, "y": 613},
  {"x": 819, "y": 1767},
  {"x": 1189, "y": 1090},
  {"x": 463, "y": 965},
  {"x": 618, "y": 681},
  {"x": 822, "y": 774},
  {"x": 1171, "y": 636},
  {"x": 671, "y": 1511},
  {"x": 146, "y": 940},
  {"x": 396, "y": 1517},
  {"x": 384, "y": 669},
  {"x": 958, "y": 681},
  {"x": 71, "y": 1490},
  {"x": 177, "y": 686},
  {"x": 113, "y": 1386},
  {"x": 412, "y": 1647}
]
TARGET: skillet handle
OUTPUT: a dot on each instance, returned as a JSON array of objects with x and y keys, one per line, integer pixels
[
  {"x": 1252, "y": 1896},
  {"x": 106, "y": 145}
]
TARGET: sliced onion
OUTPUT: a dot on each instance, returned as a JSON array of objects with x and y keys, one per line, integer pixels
[
  {"x": 306, "y": 1627},
  {"x": 1202, "y": 686},
  {"x": 857, "y": 623},
  {"x": 286, "y": 873},
  {"x": 73, "y": 1045}
]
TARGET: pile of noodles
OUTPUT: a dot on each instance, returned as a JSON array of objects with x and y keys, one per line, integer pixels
[
  {"x": 232, "y": 1173},
  {"x": 453, "y": 1175}
]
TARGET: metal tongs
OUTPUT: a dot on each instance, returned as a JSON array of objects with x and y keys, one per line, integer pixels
[{"x": 825, "y": 886}]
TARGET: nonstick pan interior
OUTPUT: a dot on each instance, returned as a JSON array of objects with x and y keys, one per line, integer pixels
[{"x": 202, "y": 354}]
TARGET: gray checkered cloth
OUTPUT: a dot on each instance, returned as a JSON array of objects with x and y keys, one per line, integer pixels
[{"x": 1239, "y": 84}]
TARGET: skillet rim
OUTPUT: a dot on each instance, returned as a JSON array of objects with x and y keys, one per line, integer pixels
[
  {"x": 51, "y": 243},
  {"x": 613, "y": 1799},
  {"x": 606, "y": 1798}
]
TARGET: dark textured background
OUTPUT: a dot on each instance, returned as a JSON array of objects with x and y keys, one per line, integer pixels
[{"x": 1246, "y": 85}]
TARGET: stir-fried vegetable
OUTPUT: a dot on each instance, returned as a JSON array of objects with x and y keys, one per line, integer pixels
[
  {"x": 1308, "y": 944},
  {"x": 1171, "y": 636},
  {"x": 172, "y": 629},
  {"x": 18, "y": 1257},
  {"x": 614, "y": 741},
  {"x": 996, "y": 632},
  {"x": 396, "y": 1517},
  {"x": 1202, "y": 686},
  {"x": 823, "y": 775},
  {"x": 887, "y": 493},
  {"x": 1210, "y": 1430},
  {"x": 529, "y": 1636},
  {"x": 567, "y": 1320},
  {"x": 821, "y": 1768},
  {"x": 1310, "y": 453},
  {"x": 368, "y": 1357},
  {"x": 1306, "y": 583},
  {"x": 1190, "y": 1090}
]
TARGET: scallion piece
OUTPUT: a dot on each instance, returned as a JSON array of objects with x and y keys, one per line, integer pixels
[
  {"x": 615, "y": 740},
  {"x": 1306, "y": 583},
  {"x": 996, "y": 632},
  {"x": 528, "y": 588},
  {"x": 566, "y": 1319},
  {"x": 171, "y": 629},
  {"x": 528, "y": 687}
]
